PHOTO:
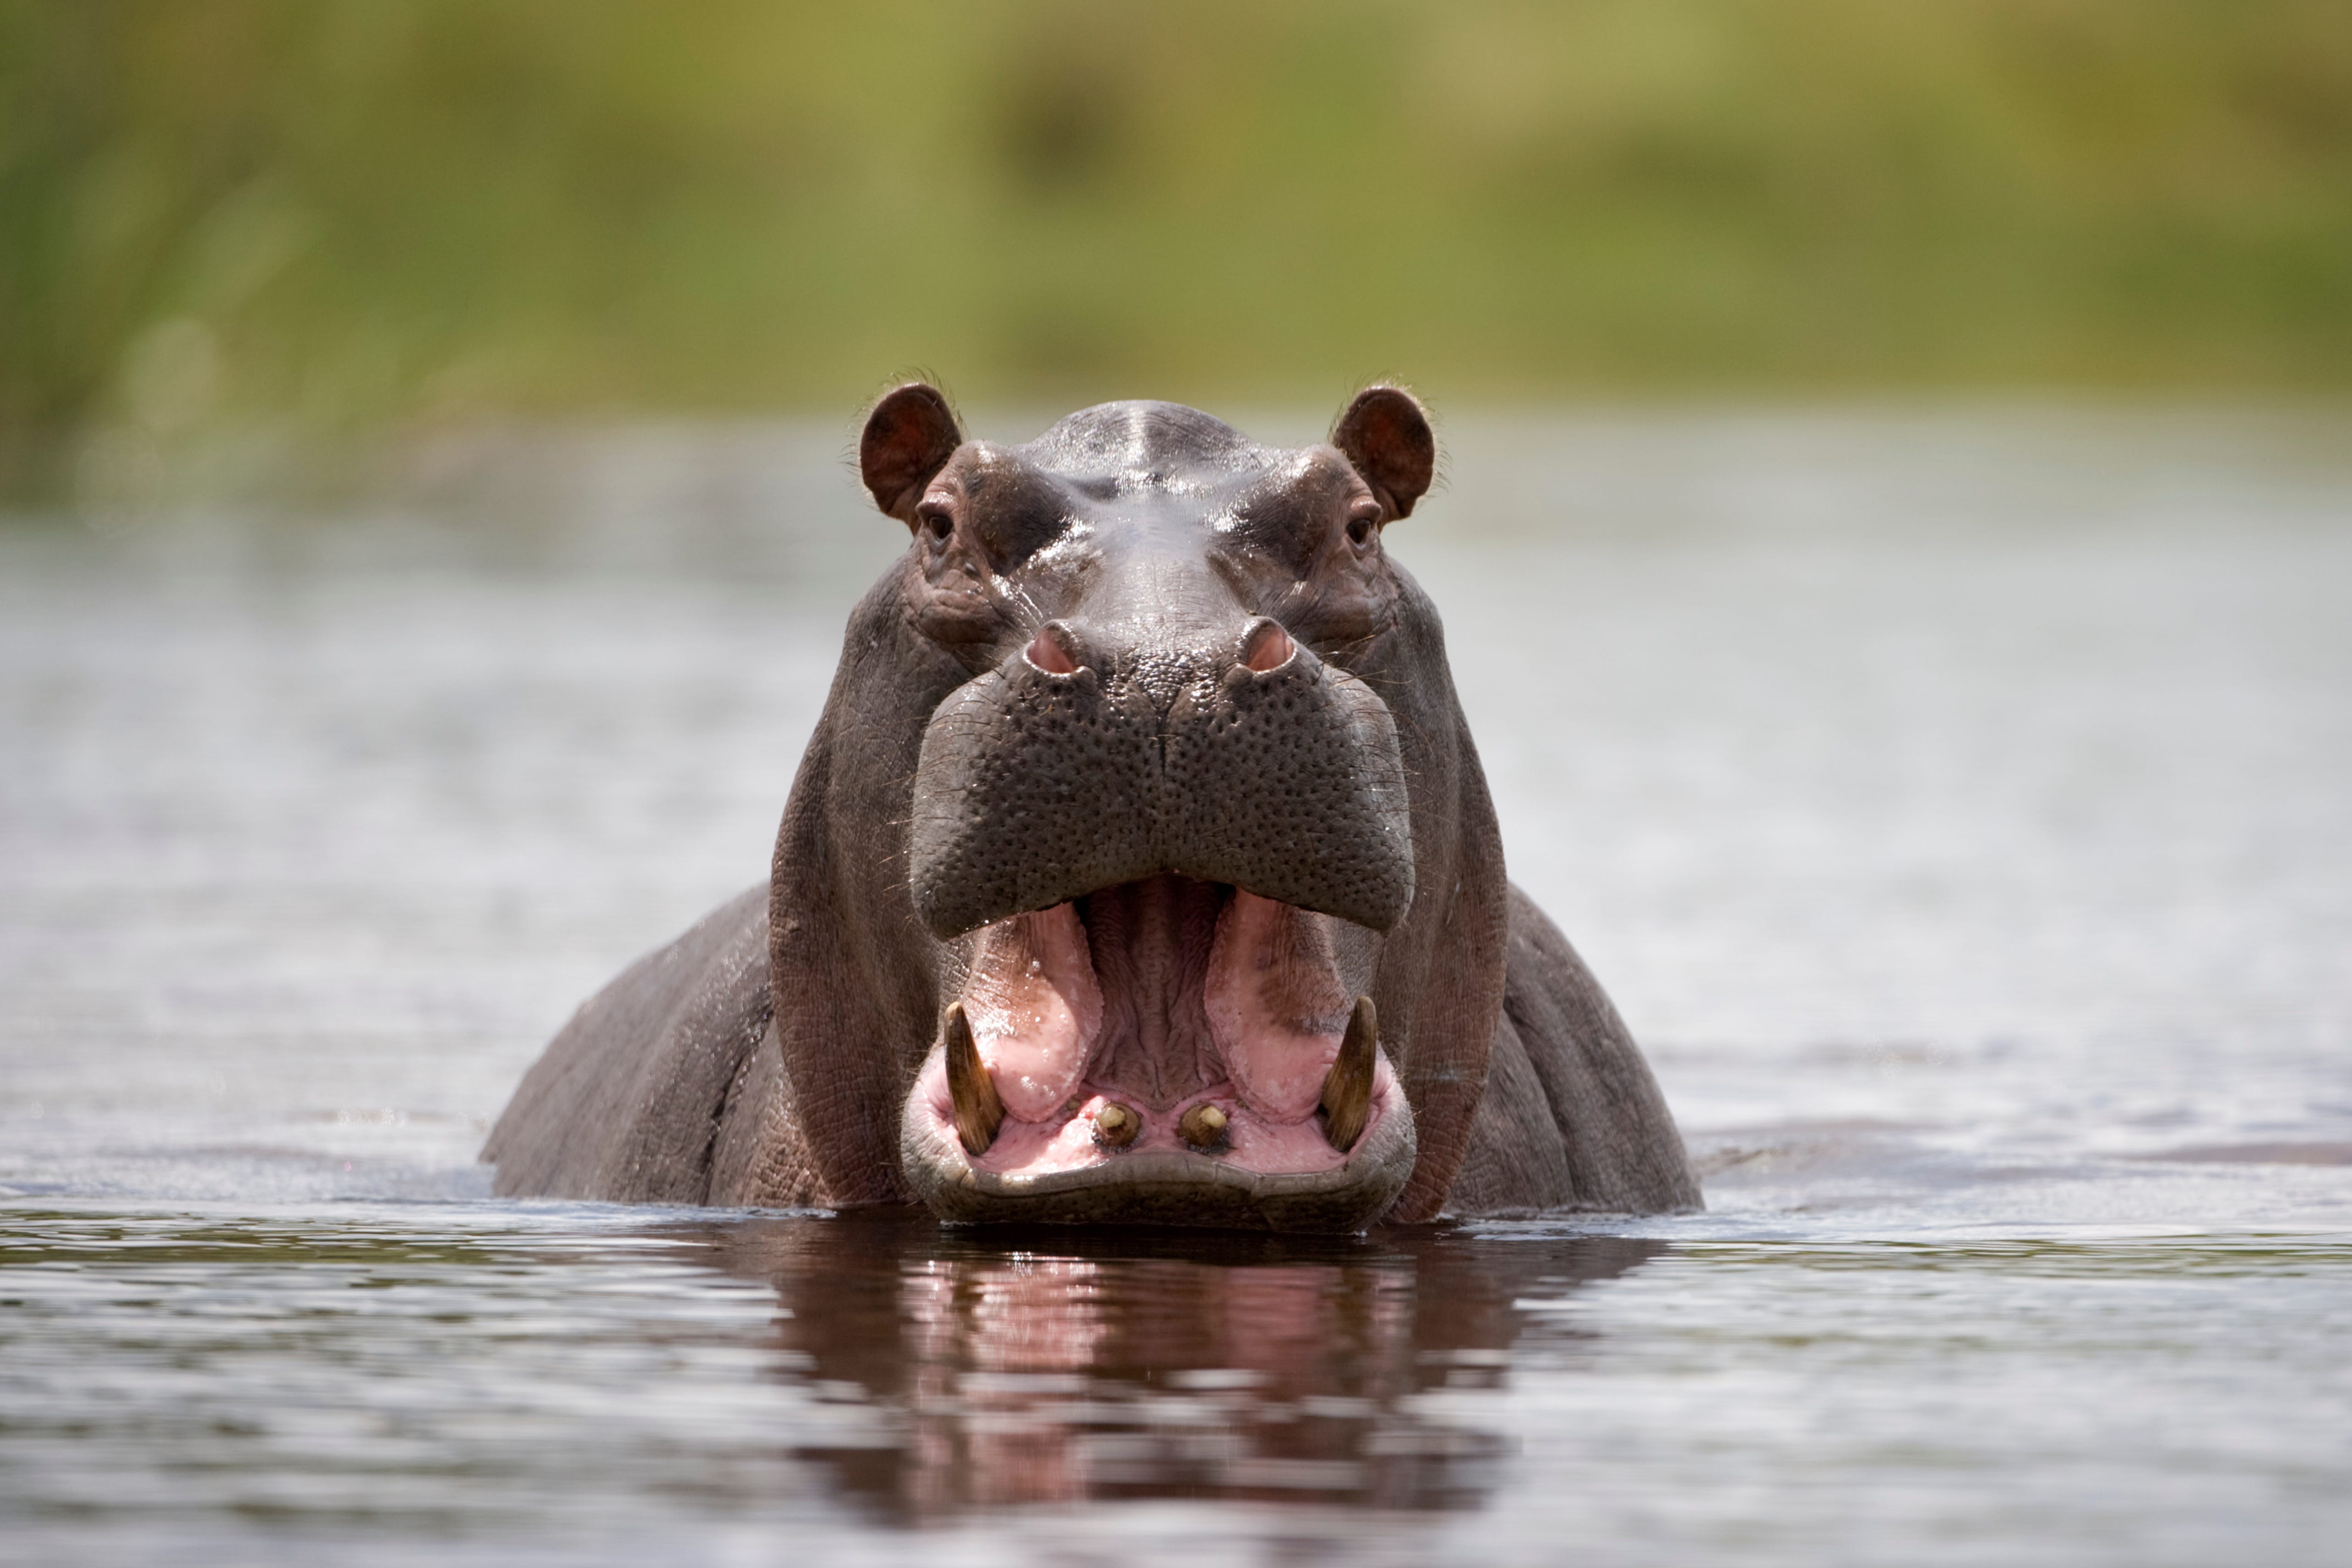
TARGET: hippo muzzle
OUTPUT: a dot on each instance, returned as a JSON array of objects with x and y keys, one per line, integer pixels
[
  {"x": 1162, "y": 861},
  {"x": 1038, "y": 786}
]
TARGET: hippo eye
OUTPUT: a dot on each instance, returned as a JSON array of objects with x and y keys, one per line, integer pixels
[
  {"x": 936, "y": 522},
  {"x": 1359, "y": 529}
]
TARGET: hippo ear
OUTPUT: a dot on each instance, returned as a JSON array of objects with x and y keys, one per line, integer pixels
[
  {"x": 1385, "y": 433},
  {"x": 909, "y": 435}
]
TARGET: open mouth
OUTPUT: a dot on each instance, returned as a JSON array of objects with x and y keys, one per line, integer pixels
[{"x": 1168, "y": 1037}]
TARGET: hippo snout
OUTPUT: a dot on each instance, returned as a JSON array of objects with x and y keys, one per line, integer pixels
[{"x": 1070, "y": 768}]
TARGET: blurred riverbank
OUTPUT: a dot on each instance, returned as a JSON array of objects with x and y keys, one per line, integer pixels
[{"x": 342, "y": 212}]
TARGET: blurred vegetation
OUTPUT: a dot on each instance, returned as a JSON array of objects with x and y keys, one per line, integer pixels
[{"x": 224, "y": 210}]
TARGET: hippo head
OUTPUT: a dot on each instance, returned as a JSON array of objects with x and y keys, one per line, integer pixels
[{"x": 1145, "y": 802}]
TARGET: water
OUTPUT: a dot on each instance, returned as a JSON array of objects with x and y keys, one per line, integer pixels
[{"x": 1957, "y": 803}]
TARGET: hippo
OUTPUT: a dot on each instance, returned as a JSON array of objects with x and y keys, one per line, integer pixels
[{"x": 1140, "y": 870}]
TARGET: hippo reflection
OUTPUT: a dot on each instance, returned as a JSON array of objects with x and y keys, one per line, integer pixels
[
  {"x": 1140, "y": 871},
  {"x": 1099, "y": 1365}
]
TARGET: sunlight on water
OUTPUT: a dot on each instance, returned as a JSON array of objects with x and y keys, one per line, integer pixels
[{"x": 1959, "y": 807}]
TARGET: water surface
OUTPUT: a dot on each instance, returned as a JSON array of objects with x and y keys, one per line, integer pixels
[{"x": 1958, "y": 805}]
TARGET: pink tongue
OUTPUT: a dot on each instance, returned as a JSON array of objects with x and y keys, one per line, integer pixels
[
  {"x": 1035, "y": 1008},
  {"x": 1275, "y": 1004}
]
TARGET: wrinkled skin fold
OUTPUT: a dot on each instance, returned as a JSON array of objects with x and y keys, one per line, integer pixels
[{"x": 1140, "y": 871}]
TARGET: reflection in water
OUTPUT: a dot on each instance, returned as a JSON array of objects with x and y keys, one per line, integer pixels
[
  {"x": 1054, "y": 1366},
  {"x": 1990, "y": 771}
]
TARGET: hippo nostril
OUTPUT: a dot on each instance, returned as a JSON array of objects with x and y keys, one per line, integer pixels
[
  {"x": 1265, "y": 648},
  {"x": 1049, "y": 650}
]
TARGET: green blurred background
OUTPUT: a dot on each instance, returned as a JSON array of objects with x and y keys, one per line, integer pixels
[{"x": 225, "y": 212}]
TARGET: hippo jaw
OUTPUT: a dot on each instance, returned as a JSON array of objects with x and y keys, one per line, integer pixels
[{"x": 1162, "y": 1051}]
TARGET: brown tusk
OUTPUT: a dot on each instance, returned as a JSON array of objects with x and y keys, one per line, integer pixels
[
  {"x": 1116, "y": 1126},
  {"x": 978, "y": 1111},
  {"x": 1204, "y": 1127},
  {"x": 1348, "y": 1087}
]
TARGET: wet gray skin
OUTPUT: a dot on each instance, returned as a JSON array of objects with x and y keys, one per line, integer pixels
[{"x": 1140, "y": 870}]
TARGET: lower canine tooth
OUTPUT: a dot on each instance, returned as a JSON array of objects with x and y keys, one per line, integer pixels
[
  {"x": 1116, "y": 1126},
  {"x": 1203, "y": 1126},
  {"x": 979, "y": 1113},
  {"x": 1348, "y": 1087}
]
